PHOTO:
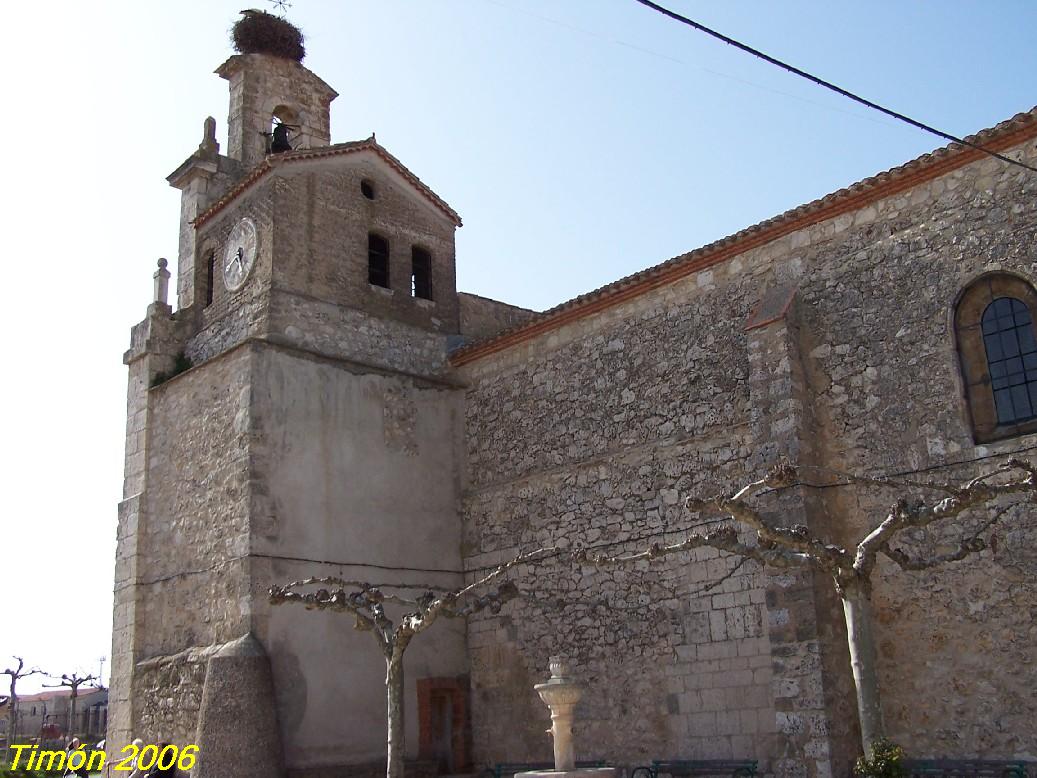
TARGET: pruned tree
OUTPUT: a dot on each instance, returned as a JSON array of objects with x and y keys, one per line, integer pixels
[
  {"x": 367, "y": 604},
  {"x": 73, "y": 682},
  {"x": 15, "y": 673},
  {"x": 851, "y": 569}
]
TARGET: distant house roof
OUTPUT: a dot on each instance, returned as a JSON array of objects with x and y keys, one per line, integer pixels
[
  {"x": 57, "y": 694},
  {"x": 274, "y": 161},
  {"x": 1018, "y": 129}
]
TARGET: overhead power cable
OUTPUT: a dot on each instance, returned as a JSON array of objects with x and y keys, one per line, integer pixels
[
  {"x": 608, "y": 544},
  {"x": 829, "y": 85},
  {"x": 799, "y": 484}
]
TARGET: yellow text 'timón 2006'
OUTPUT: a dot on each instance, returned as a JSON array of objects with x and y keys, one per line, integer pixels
[{"x": 144, "y": 758}]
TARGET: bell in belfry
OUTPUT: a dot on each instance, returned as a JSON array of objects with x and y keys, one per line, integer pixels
[{"x": 279, "y": 142}]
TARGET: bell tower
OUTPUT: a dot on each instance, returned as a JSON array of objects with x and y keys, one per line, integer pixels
[
  {"x": 295, "y": 415},
  {"x": 265, "y": 87}
]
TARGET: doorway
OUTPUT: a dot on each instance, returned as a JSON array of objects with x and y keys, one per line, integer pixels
[{"x": 443, "y": 723}]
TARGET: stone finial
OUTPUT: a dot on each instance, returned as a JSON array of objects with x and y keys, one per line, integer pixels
[
  {"x": 559, "y": 666},
  {"x": 209, "y": 144},
  {"x": 162, "y": 282}
]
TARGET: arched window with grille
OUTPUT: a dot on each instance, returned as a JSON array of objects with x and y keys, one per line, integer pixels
[
  {"x": 997, "y": 347},
  {"x": 377, "y": 260}
]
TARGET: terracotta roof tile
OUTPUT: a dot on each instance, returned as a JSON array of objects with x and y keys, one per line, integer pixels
[
  {"x": 56, "y": 694},
  {"x": 1018, "y": 129},
  {"x": 274, "y": 161}
]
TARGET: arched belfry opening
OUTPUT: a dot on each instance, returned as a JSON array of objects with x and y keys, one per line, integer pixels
[
  {"x": 284, "y": 130},
  {"x": 274, "y": 99}
]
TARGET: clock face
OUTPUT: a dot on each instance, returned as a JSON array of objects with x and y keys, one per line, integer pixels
[{"x": 240, "y": 255}]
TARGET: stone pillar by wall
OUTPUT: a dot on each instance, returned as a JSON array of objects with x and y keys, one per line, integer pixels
[
  {"x": 783, "y": 427},
  {"x": 202, "y": 178},
  {"x": 194, "y": 180},
  {"x": 237, "y": 726},
  {"x": 153, "y": 349}
]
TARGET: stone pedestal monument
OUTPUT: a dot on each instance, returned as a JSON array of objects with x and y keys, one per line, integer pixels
[{"x": 561, "y": 693}]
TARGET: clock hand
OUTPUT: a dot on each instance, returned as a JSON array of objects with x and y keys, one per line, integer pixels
[{"x": 237, "y": 258}]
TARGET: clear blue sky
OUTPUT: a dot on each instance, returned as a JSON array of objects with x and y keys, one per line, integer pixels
[{"x": 580, "y": 140}]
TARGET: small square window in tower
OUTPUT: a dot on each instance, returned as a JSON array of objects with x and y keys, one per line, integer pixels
[
  {"x": 421, "y": 274},
  {"x": 377, "y": 260}
]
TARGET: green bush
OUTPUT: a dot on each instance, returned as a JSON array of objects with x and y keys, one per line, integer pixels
[
  {"x": 886, "y": 762},
  {"x": 180, "y": 364}
]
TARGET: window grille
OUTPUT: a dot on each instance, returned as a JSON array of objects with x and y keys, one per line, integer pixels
[
  {"x": 377, "y": 260},
  {"x": 1011, "y": 351}
]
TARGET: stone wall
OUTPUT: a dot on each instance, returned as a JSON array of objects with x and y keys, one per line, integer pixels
[
  {"x": 234, "y": 316},
  {"x": 482, "y": 317},
  {"x": 170, "y": 693},
  {"x": 321, "y": 241},
  {"x": 153, "y": 345},
  {"x": 345, "y": 333},
  {"x": 194, "y": 585},
  {"x": 355, "y": 476},
  {"x": 595, "y": 442},
  {"x": 590, "y": 433},
  {"x": 316, "y": 221},
  {"x": 355, "y": 377}
]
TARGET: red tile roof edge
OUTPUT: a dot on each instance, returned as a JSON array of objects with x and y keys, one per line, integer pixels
[
  {"x": 1019, "y": 129},
  {"x": 276, "y": 160},
  {"x": 59, "y": 694}
]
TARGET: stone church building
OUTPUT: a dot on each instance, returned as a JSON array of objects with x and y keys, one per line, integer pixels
[{"x": 323, "y": 401}]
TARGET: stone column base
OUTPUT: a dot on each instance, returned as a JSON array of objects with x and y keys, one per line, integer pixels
[{"x": 238, "y": 735}]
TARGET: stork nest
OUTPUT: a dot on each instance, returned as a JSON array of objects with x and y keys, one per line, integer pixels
[{"x": 258, "y": 32}]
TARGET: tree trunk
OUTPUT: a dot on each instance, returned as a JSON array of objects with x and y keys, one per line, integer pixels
[
  {"x": 394, "y": 696},
  {"x": 857, "y": 610},
  {"x": 72, "y": 716},
  {"x": 12, "y": 725}
]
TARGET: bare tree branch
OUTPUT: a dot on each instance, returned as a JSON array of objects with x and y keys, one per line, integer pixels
[
  {"x": 16, "y": 673},
  {"x": 917, "y": 513},
  {"x": 791, "y": 546},
  {"x": 722, "y": 539},
  {"x": 73, "y": 682},
  {"x": 19, "y": 671},
  {"x": 794, "y": 541},
  {"x": 970, "y": 545},
  {"x": 893, "y": 483},
  {"x": 367, "y": 604}
]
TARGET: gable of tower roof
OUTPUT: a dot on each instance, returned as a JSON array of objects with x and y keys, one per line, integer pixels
[{"x": 273, "y": 162}]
